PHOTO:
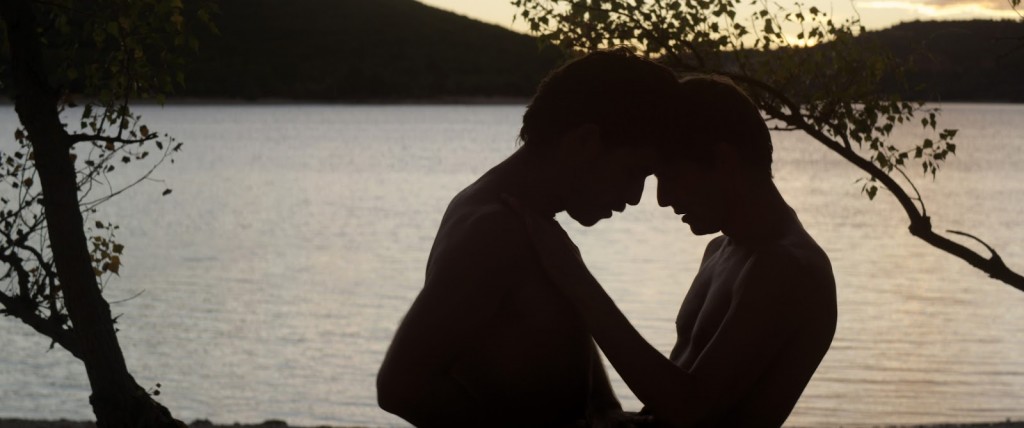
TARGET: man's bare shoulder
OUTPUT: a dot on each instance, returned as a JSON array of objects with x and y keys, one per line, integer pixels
[
  {"x": 479, "y": 231},
  {"x": 713, "y": 246},
  {"x": 795, "y": 264},
  {"x": 800, "y": 249},
  {"x": 474, "y": 216}
]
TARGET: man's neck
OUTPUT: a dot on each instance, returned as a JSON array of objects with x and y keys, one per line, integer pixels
[
  {"x": 759, "y": 214},
  {"x": 533, "y": 178}
]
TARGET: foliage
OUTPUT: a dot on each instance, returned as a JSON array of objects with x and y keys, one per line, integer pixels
[
  {"x": 806, "y": 71},
  {"x": 103, "y": 54}
]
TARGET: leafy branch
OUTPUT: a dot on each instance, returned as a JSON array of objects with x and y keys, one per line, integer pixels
[
  {"x": 105, "y": 53},
  {"x": 805, "y": 70}
]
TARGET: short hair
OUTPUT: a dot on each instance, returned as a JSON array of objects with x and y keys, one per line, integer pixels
[
  {"x": 716, "y": 110},
  {"x": 629, "y": 99}
]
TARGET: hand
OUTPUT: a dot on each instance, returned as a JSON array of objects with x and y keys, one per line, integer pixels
[
  {"x": 616, "y": 418},
  {"x": 640, "y": 420},
  {"x": 559, "y": 256}
]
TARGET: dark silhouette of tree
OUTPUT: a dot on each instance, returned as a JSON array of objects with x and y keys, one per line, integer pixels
[
  {"x": 1015, "y": 4},
  {"x": 105, "y": 52},
  {"x": 806, "y": 71},
  {"x": 362, "y": 51}
]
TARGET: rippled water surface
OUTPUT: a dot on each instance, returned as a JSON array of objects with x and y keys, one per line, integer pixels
[{"x": 295, "y": 239}]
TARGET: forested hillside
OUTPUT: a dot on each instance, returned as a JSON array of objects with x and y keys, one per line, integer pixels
[
  {"x": 399, "y": 50},
  {"x": 361, "y": 50}
]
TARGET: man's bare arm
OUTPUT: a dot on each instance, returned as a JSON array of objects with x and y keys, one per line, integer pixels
[
  {"x": 657, "y": 382},
  {"x": 664, "y": 388},
  {"x": 749, "y": 337},
  {"x": 471, "y": 270},
  {"x": 604, "y": 409},
  {"x": 745, "y": 343}
]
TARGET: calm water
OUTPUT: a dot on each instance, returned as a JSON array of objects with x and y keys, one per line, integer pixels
[{"x": 296, "y": 236}]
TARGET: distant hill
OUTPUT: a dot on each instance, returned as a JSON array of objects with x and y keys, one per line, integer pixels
[
  {"x": 399, "y": 50},
  {"x": 959, "y": 60},
  {"x": 402, "y": 50},
  {"x": 361, "y": 50}
]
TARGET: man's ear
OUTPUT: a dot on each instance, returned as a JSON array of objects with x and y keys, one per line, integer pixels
[
  {"x": 583, "y": 140},
  {"x": 731, "y": 173},
  {"x": 726, "y": 158}
]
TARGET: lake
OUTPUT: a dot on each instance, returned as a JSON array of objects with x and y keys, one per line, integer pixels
[{"x": 275, "y": 274}]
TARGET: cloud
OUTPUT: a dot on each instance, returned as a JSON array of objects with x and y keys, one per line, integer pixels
[
  {"x": 986, "y": 4},
  {"x": 947, "y": 8}
]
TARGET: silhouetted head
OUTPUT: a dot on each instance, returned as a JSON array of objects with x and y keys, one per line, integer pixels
[
  {"x": 723, "y": 144},
  {"x": 625, "y": 96},
  {"x": 716, "y": 111},
  {"x": 602, "y": 116}
]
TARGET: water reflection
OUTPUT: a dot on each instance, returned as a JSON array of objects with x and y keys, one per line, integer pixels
[{"x": 274, "y": 279}]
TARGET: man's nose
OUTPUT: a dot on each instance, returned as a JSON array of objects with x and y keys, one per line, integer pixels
[
  {"x": 634, "y": 195},
  {"x": 662, "y": 198}
]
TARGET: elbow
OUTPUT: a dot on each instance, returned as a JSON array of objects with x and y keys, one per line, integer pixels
[
  {"x": 403, "y": 403},
  {"x": 394, "y": 403},
  {"x": 388, "y": 399},
  {"x": 397, "y": 395},
  {"x": 391, "y": 396}
]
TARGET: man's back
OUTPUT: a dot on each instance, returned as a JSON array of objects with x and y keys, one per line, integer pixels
[
  {"x": 758, "y": 319},
  {"x": 489, "y": 324}
]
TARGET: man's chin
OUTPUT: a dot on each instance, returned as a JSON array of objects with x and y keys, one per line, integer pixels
[
  {"x": 701, "y": 228},
  {"x": 704, "y": 231},
  {"x": 586, "y": 220}
]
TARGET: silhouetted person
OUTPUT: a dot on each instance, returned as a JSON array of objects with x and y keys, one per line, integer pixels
[
  {"x": 761, "y": 312},
  {"x": 490, "y": 341}
]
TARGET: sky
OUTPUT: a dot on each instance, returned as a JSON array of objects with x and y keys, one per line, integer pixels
[{"x": 875, "y": 14}]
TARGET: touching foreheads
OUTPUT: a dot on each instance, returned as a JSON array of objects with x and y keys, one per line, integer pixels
[
  {"x": 637, "y": 102},
  {"x": 715, "y": 110},
  {"x": 629, "y": 99}
]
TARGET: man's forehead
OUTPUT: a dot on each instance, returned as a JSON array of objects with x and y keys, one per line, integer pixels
[
  {"x": 674, "y": 160},
  {"x": 636, "y": 155}
]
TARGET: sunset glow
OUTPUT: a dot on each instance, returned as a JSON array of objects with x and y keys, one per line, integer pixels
[
  {"x": 946, "y": 10},
  {"x": 875, "y": 14}
]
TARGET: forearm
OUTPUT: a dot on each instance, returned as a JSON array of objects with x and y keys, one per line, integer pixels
[
  {"x": 602, "y": 396},
  {"x": 662, "y": 386}
]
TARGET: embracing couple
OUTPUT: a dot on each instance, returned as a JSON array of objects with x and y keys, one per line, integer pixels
[{"x": 503, "y": 332}]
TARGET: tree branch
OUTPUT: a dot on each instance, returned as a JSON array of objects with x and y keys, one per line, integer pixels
[
  {"x": 993, "y": 265},
  {"x": 24, "y": 310},
  {"x": 78, "y": 138},
  {"x": 919, "y": 199},
  {"x": 18, "y": 267},
  {"x": 988, "y": 247},
  {"x": 920, "y": 224}
]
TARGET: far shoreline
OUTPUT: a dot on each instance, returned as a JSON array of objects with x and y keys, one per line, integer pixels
[
  {"x": 437, "y": 101},
  {"x": 273, "y": 423},
  {"x": 272, "y": 101}
]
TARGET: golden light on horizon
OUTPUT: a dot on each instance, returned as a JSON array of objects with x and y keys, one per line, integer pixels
[
  {"x": 875, "y": 14},
  {"x": 947, "y": 10}
]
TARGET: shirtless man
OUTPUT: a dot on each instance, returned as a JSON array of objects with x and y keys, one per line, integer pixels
[
  {"x": 489, "y": 341},
  {"x": 760, "y": 313}
]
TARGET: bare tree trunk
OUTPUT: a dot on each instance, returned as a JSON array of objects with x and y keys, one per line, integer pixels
[{"x": 117, "y": 400}]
